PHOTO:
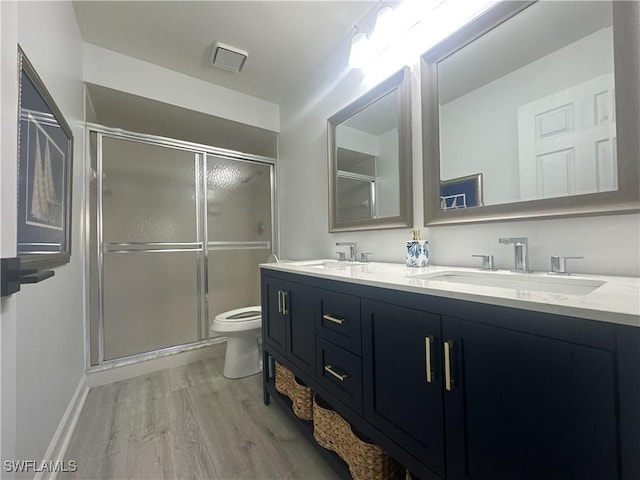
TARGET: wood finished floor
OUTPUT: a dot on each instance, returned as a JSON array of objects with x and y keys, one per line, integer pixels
[{"x": 189, "y": 423}]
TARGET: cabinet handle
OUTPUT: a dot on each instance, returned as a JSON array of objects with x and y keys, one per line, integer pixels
[
  {"x": 427, "y": 353},
  {"x": 339, "y": 321},
  {"x": 284, "y": 302},
  {"x": 448, "y": 381},
  {"x": 279, "y": 301},
  {"x": 329, "y": 369}
]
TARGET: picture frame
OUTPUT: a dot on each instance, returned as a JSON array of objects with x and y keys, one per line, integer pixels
[
  {"x": 461, "y": 192},
  {"x": 45, "y": 161}
]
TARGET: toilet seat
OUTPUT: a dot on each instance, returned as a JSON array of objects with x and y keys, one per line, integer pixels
[{"x": 246, "y": 318}]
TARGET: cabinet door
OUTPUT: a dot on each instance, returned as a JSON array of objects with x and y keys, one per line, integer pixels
[
  {"x": 274, "y": 321},
  {"x": 403, "y": 380},
  {"x": 299, "y": 308},
  {"x": 524, "y": 406}
]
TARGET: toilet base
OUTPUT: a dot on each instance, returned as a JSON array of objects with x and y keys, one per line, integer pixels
[{"x": 243, "y": 357}]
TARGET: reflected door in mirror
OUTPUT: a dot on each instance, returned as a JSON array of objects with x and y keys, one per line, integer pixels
[
  {"x": 530, "y": 105},
  {"x": 566, "y": 142}
]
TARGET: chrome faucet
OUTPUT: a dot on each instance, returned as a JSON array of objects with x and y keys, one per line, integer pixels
[
  {"x": 521, "y": 252},
  {"x": 352, "y": 249},
  {"x": 487, "y": 262},
  {"x": 559, "y": 265}
]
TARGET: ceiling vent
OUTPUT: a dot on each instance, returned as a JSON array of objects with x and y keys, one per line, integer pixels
[{"x": 228, "y": 57}]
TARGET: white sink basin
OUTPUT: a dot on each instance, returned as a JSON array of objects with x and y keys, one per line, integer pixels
[
  {"x": 521, "y": 282},
  {"x": 335, "y": 264},
  {"x": 322, "y": 264}
]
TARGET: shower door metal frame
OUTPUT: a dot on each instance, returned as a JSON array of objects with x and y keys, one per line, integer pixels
[{"x": 201, "y": 246}]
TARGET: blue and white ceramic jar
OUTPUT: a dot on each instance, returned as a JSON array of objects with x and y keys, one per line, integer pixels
[{"x": 417, "y": 253}]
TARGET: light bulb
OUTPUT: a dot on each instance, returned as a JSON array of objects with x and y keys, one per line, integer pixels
[
  {"x": 385, "y": 28},
  {"x": 361, "y": 53}
]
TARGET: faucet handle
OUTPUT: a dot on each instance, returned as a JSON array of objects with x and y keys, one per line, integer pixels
[
  {"x": 364, "y": 257},
  {"x": 559, "y": 264},
  {"x": 341, "y": 257},
  {"x": 487, "y": 261},
  {"x": 353, "y": 248}
]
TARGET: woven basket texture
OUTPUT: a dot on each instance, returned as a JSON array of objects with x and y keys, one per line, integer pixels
[
  {"x": 301, "y": 396},
  {"x": 366, "y": 461}
]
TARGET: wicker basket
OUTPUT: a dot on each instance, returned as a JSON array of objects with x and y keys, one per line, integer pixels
[
  {"x": 301, "y": 396},
  {"x": 366, "y": 461}
]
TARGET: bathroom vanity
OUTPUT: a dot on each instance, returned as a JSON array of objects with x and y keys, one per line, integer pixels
[{"x": 462, "y": 374}]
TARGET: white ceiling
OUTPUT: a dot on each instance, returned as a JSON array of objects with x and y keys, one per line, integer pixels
[{"x": 286, "y": 40}]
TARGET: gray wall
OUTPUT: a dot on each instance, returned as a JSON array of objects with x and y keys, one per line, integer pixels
[{"x": 42, "y": 326}]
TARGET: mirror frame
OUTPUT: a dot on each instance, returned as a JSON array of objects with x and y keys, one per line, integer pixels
[
  {"x": 400, "y": 81},
  {"x": 626, "y": 41}
]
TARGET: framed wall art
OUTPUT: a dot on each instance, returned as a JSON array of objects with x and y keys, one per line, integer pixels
[
  {"x": 45, "y": 154},
  {"x": 463, "y": 192}
]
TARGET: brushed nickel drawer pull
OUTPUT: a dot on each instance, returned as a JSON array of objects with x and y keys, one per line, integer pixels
[
  {"x": 339, "y": 321},
  {"x": 448, "y": 381},
  {"x": 329, "y": 369},
  {"x": 427, "y": 353},
  {"x": 279, "y": 301},
  {"x": 284, "y": 302}
]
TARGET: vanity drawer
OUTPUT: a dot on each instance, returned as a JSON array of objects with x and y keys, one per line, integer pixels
[
  {"x": 338, "y": 320},
  {"x": 340, "y": 372}
]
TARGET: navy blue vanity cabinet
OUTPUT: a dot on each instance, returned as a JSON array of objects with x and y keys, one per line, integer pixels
[
  {"x": 530, "y": 397},
  {"x": 273, "y": 319},
  {"x": 289, "y": 326},
  {"x": 338, "y": 319},
  {"x": 339, "y": 346},
  {"x": 299, "y": 308},
  {"x": 339, "y": 372},
  {"x": 403, "y": 379},
  {"x": 458, "y": 390}
]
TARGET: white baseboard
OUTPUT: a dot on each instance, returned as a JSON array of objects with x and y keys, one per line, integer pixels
[{"x": 60, "y": 441}]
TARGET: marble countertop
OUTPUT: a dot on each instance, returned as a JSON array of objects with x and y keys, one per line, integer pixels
[{"x": 617, "y": 300}]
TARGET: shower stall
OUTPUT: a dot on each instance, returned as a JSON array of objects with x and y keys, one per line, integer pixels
[{"x": 177, "y": 231}]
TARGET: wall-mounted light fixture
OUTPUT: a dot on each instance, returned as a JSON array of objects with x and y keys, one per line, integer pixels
[
  {"x": 408, "y": 30},
  {"x": 385, "y": 28},
  {"x": 361, "y": 49},
  {"x": 365, "y": 48}
]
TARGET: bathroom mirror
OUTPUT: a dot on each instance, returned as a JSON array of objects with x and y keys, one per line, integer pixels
[
  {"x": 369, "y": 158},
  {"x": 531, "y": 111}
]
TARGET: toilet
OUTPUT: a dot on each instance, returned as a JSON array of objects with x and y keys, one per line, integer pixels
[{"x": 242, "y": 327}]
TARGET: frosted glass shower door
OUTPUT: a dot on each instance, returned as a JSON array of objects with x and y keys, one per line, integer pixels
[
  {"x": 239, "y": 231},
  {"x": 151, "y": 251}
]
